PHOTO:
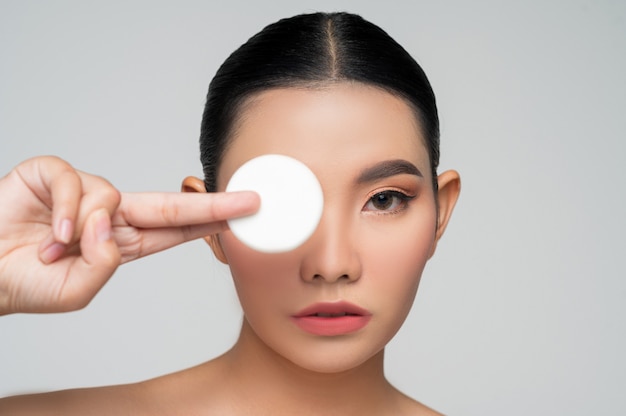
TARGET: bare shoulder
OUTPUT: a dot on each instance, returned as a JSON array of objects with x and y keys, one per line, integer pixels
[
  {"x": 124, "y": 399},
  {"x": 410, "y": 407},
  {"x": 175, "y": 393}
]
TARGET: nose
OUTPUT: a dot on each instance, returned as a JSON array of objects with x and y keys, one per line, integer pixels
[{"x": 331, "y": 255}]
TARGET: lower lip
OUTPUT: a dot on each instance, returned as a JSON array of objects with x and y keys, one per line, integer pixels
[{"x": 331, "y": 326}]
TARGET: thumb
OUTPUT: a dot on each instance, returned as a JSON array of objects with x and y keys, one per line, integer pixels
[{"x": 99, "y": 258}]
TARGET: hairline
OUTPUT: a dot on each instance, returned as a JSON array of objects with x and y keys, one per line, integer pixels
[{"x": 248, "y": 100}]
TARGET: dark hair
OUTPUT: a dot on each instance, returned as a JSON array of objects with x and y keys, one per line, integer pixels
[{"x": 307, "y": 51}]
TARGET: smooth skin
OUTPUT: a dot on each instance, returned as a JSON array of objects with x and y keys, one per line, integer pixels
[{"x": 368, "y": 254}]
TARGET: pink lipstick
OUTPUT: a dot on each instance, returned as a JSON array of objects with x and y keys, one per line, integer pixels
[{"x": 331, "y": 318}]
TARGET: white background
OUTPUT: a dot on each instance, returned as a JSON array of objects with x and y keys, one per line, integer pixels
[{"x": 522, "y": 309}]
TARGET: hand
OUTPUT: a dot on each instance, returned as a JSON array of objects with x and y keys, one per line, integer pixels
[{"x": 64, "y": 232}]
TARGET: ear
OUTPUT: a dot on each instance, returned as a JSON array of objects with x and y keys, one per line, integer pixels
[
  {"x": 447, "y": 195},
  {"x": 193, "y": 184}
]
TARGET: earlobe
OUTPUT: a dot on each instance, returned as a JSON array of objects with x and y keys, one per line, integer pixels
[
  {"x": 214, "y": 242},
  {"x": 193, "y": 184},
  {"x": 447, "y": 195}
]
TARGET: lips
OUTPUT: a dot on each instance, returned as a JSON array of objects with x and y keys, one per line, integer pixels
[{"x": 332, "y": 318}]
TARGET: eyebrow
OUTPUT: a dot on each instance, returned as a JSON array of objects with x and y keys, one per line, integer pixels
[{"x": 388, "y": 168}]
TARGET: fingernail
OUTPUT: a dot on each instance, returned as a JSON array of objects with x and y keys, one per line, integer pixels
[
  {"x": 244, "y": 201},
  {"x": 65, "y": 231},
  {"x": 103, "y": 226},
  {"x": 52, "y": 252}
]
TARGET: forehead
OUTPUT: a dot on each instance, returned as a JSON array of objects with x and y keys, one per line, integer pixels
[{"x": 345, "y": 124}]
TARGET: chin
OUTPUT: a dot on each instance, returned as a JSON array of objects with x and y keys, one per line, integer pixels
[
  {"x": 335, "y": 364},
  {"x": 333, "y": 355}
]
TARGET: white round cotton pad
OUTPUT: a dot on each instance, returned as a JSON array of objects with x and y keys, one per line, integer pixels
[{"x": 291, "y": 203}]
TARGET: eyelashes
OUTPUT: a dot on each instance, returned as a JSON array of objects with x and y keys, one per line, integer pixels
[{"x": 388, "y": 202}]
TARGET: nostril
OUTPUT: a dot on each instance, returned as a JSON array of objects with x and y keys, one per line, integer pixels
[{"x": 321, "y": 277}]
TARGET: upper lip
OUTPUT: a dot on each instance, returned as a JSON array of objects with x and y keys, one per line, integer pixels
[{"x": 339, "y": 308}]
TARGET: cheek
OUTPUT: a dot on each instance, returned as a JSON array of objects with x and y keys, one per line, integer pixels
[
  {"x": 394, "y": 261},
  {"x": 260, "y": 279}
]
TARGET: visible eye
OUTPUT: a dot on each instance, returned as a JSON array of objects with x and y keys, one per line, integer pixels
[{"x": 388, "y": 201}]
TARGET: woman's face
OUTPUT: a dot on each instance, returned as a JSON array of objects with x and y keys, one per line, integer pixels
[{"x": 377, "y": 231}]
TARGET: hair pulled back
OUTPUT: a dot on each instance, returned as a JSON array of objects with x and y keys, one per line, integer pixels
[{"x": 307, "y": 51}]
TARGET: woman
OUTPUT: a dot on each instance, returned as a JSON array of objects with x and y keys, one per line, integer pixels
[{"x": 330, "y": 90}]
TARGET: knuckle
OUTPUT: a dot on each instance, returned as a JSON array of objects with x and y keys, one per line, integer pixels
[
  {"x": 53, "y": 160},
  {"x": 107, "y": 193},
  {"x": 113, "y": 195},
  {"x": 54, "y": 164},
  {"x": 170, "y": 213}
]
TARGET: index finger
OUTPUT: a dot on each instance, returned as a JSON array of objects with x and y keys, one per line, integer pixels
[{"x": 159, "y": 210}]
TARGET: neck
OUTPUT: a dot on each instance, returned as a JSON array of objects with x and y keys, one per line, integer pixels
[{"x": 266, "y": 377}]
